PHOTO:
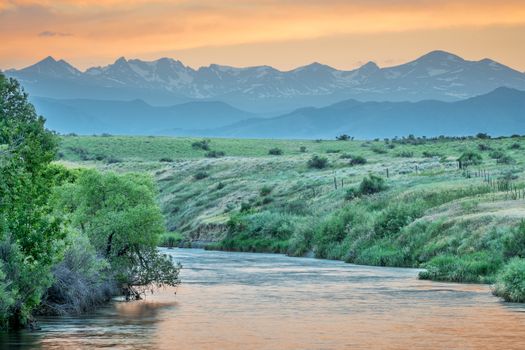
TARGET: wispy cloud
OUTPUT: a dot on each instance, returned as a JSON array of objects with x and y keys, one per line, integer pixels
[
  {"x": 140, "y": 28},
  {"x": 48, "y": 33}
]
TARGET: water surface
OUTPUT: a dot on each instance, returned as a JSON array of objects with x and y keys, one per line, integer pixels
[{"x": 263, "y": 301}]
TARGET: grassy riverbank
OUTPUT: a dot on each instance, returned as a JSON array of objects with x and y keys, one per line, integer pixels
[{"x": 274, "y": 196}]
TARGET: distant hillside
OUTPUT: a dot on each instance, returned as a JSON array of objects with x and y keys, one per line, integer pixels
[
  {"x": 83, "y": 116},
  {"x": 265, "y": 90},
  {"x": 501, "y": 112}
]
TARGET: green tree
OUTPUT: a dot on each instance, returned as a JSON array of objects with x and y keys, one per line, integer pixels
[
  {"x": 123, "y": 222},
  {"x": 30, "y": 238}
]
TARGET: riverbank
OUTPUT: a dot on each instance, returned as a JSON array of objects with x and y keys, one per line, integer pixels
[{"x": 460, "y": 225}]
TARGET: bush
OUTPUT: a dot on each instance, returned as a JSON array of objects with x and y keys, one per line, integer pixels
[
  {"x": 203, "y": 145},
  {"x": 200, "y": 175},
  {"x": 357, "y": 160},
  {"x": 470, "y": 158},
  {"x": 245, "y": 206},
  {"x": 317, "y": 162},
  {"x": 515, "y": 146},
  {"x": 215, "y": 154},
  {"x": 302, "y": 149},
  {"x": 483, "y": 136},
  {"x": 343, "y": 137},
  {"x": 113, "y": 160},
  {"x": 511, "y": 281},
  {"x": 506, "y": 159},
  {"x": 378, "y": 149},
  {"x": 333, "y": 150},
  {"x": 81, "y": 281},
  {"x": 430, "y": 154},
  {"x": 484, "y": 147},
  {"x": 351, "y": 193},
  {"x": 372, "y": 184},
  {"x": 265, "y": 190},
  {"x": 497, "y": 154},
  {"x": 476, "y": 267},
  {"x": 275, "y": 151},
  {"x": 170, "y": 239},
  {"x": 405, "y": 154},
  {"x": 514, "y": 242},
  {"x": 166, "y": 160}
]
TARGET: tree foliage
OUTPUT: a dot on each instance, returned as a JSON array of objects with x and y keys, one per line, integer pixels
[
  {"x": 30, "y": 238},
  {"x": 123, "y": 222}
]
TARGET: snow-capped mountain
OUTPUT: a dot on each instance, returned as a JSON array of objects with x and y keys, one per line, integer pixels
[{"x": 437, "y": 75}]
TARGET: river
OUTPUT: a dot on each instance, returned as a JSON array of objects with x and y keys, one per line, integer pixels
[{"x": 266, "y": 301}]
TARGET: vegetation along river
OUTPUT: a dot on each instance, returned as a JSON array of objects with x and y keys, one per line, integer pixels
[{"x": 263, "y": 301}]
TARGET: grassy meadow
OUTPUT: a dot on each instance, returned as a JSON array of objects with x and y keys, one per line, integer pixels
[{"x": 415, "y": 208}]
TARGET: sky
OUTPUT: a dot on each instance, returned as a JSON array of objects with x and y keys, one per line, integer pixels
[{"x": 284, "y": 34}]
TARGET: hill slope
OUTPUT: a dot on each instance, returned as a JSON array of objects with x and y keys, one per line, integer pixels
[
  {"x": 83, "y": 116},
  {"x": 501, "y": 112}
]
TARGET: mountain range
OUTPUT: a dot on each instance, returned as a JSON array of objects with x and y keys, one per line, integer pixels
[
  {"x": 500, "y": 112},
  {"x": 167, "y": 97}
]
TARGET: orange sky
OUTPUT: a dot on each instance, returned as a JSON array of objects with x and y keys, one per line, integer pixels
[{"x": 285, "y": 33}]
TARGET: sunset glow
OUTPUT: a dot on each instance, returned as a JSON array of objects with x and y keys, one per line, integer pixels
[{"x": 284, "y": 34}]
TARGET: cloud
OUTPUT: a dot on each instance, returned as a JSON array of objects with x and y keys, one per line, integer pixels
[{"x": 48, "y": 33}]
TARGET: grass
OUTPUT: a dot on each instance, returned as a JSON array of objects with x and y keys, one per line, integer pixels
[{"x": 455, "y": 223}]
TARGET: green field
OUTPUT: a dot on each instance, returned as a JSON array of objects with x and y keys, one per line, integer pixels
[{"x": 455, "y": 222}]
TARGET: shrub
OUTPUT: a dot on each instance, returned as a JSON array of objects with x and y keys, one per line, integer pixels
[
  {"x": 395, "y": 217},
  {"x": 470, "y": 158},
  {"x": 302, "y": 149},
  {"x": 267, "y": 200},
  {"x": 497, "y": 154},
  {"x": 515, "y": 146},
  {"x": 378, "y": 149},
  {"x": 372, "y": 184},
  {"x": 317, "y": 162},
  {"x": 215, "y": 154},
  {"x": 333, "y": 150},
  {"x": 351, "y": 193},
  {"x": 220, "y": 186},
  {"x": 275, "y": 151},
  {"x": 167, "y": 160},
  {"x": 484, "y": 147},
  {"x": 430, "y": 154},
  {"x": 202, "y": 144},
  {"x": 170, "y": 239},
  {"x": 514, "y": 242},
  {"x": 483, "y": 136},
  {"x": 245, "y": 206},
  {"x": 506, "y": 159},
  {"x": 200, "y": 175},
  {"x": 112, "y": 160},
  {"x": 511, "y": 281},
  {"x": 476, "y": 267},
  {"x": 265, "y": 190},
  {"x": 357, "y": 160},
  {"x": 405, "y": 154},
  {"x": 343, "y": 137},
  {"x": 81, "y": 281}
]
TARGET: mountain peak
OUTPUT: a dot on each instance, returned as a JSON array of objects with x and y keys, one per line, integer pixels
[
  {"x": 50, "y": 66},
  {"x": 369, "y": 66},
  {"x": 439, "y": 55},
  {"x": 121, "y": 60},
  {"x": 48, "y": 59}
]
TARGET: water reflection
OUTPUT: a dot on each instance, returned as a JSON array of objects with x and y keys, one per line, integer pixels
[{"x": 260, "y": 301}]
